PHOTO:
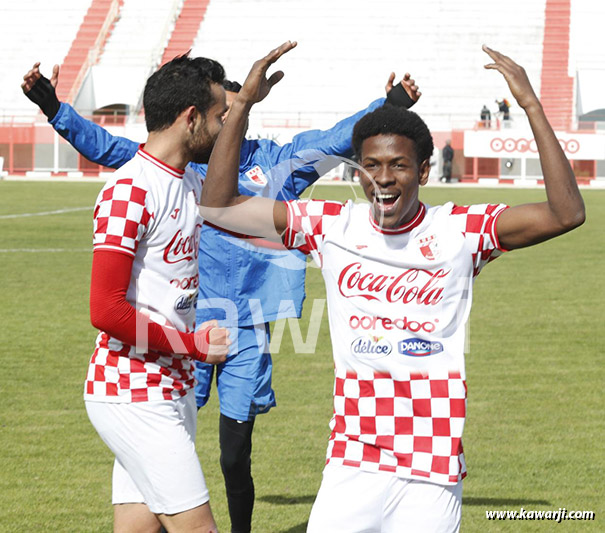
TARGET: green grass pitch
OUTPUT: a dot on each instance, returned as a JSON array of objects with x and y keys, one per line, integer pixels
[{"x": 535, "y": 432}]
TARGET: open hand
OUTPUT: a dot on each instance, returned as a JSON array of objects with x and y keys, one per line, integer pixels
[
  {"x": 515, "y": 76},
  {"x": 407, "y": 83},
  {"x": 33, "y": 75},
  {"x": 257, "y": 86}
]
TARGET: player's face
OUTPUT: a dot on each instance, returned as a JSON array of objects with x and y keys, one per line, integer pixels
[
  {"x": 208, "y": 127},
  {"x": 392, "y": 178}
]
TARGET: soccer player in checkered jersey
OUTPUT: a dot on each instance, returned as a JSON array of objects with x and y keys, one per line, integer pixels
[
  {"x": 399, "y": 277},
  {"x": 229, "y": 270},
  {"x": 139, "y": 388}
]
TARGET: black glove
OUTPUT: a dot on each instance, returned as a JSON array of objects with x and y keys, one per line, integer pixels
[
  {"x": 399, "y": 97},
  {"x": 44, "y": 96}
]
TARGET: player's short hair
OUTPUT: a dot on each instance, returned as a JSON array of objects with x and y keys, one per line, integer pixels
[
  {"x": 180, "y": 83},
  {"x": 232, "y": 86},
  {"x": 391, "y": 120}
]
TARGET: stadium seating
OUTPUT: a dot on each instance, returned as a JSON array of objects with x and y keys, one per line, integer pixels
[
  {"x": 185, "y": 29},
  {"x": 557, "y": 85},
  {"x": 347, "y": 49},
  {"x": 86, "y": 47},
  {"x": 133, "y": 50},
  {"x": 30, "y": 31}
]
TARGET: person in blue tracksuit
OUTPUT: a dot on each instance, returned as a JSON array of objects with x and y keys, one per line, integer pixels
[{"x": 244, "y": 285}]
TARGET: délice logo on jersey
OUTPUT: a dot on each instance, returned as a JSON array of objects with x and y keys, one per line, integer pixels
[
  {"x": 185, "y": 303},
  {"x": 183, "y": 248},
  {"x": 412, "y": 285},
  {"x": 371, "y": 347}
]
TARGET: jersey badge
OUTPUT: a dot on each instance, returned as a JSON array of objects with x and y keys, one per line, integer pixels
[
  {"x": 429, "y": 247},
  {"x": 257, "y": 175}
]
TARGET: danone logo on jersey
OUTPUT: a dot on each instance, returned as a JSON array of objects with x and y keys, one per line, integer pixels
[
  {"x": 371, "y": 347},
  {"x": 412, "y": 285},
  {"x": 415, "y": 347},
  {"x": 181, "y": 248}
]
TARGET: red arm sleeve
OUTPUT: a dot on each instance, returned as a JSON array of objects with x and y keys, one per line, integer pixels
[{"x": 110, "y": 311}]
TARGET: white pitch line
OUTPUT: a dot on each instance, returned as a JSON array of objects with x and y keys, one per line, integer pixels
[
  {"x": 41, "y": 250},
  {"x": 43, "y": 213}
]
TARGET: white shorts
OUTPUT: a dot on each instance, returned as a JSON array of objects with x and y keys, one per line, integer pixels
[
  {"x": 353, "y": 501},
  {"x": 154, "y": 444}
]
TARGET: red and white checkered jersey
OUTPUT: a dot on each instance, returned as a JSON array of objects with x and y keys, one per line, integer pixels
[
  {"x": 150, "y": 211},
  {"x": 398, "y": 303}
]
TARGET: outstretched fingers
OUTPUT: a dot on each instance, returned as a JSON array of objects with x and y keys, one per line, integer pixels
[
  {"x": 500, "y": 60},
  {"x": 54, "y": 79},
  {"x": 257, "y": 86},
  {"x": 276, "y": 53},
  {"x": 409, "y": 84},
  {"x": 276, "y": 77},
  {"x": 389, "y": 84},
  {"x": 32, "y": 76},
  {"x": 515, "y": 76}
]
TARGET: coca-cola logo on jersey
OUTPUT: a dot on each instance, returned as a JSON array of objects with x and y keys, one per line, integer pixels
[
  {"x": 413, "y": 285},
  {"x": 183, "y": 248}
]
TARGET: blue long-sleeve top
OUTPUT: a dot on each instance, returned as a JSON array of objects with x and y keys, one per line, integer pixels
[{"x": 240, "y": 283}]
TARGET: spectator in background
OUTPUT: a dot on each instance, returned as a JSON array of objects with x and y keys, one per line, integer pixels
[
  {"x": 448, "y": 155},
  {"x": 504, "y": 108},
  {"x": 486, "y": 117}
]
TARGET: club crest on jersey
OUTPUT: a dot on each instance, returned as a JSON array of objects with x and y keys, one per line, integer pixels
[
  {"x": 429, "y": 247},
  {"x": 257, "y": 175}
]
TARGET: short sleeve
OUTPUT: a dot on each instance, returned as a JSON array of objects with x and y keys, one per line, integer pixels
[
  {"x": 120, "y": 217},
  {"x": 308, "y": 222},
  {"x": 478, "y": 226}
]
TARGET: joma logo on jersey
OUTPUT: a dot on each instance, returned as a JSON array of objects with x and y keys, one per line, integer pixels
[
  {"x": 371, "y": 347},
  {"x": 415, "y": 285},
  {"x": 181, "y": 248},
  {"x": 257, "y": 175},
  {"x": 415, "y": 347}
]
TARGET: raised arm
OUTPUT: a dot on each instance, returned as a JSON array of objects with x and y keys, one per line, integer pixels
[
  {"x": 563, "y": 211},
  {"x": 221, "y": 202},
  {"x": 91, "y": 140},
  {"x": 336, "y": 141}
]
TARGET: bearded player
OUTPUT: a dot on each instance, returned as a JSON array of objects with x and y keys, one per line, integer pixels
[
  {"x": 231, "y": 271},
  {"x": 139, "y": 389},
  {"x": 399, "y": 278}
]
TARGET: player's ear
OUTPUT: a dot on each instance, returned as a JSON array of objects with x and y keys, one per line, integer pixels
[
  {"x": 190, "y": 114},
  {"x": 424, "y": 171}
]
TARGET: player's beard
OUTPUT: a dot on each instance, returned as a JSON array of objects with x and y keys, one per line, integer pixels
[{"x": 200, "y": 143}]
